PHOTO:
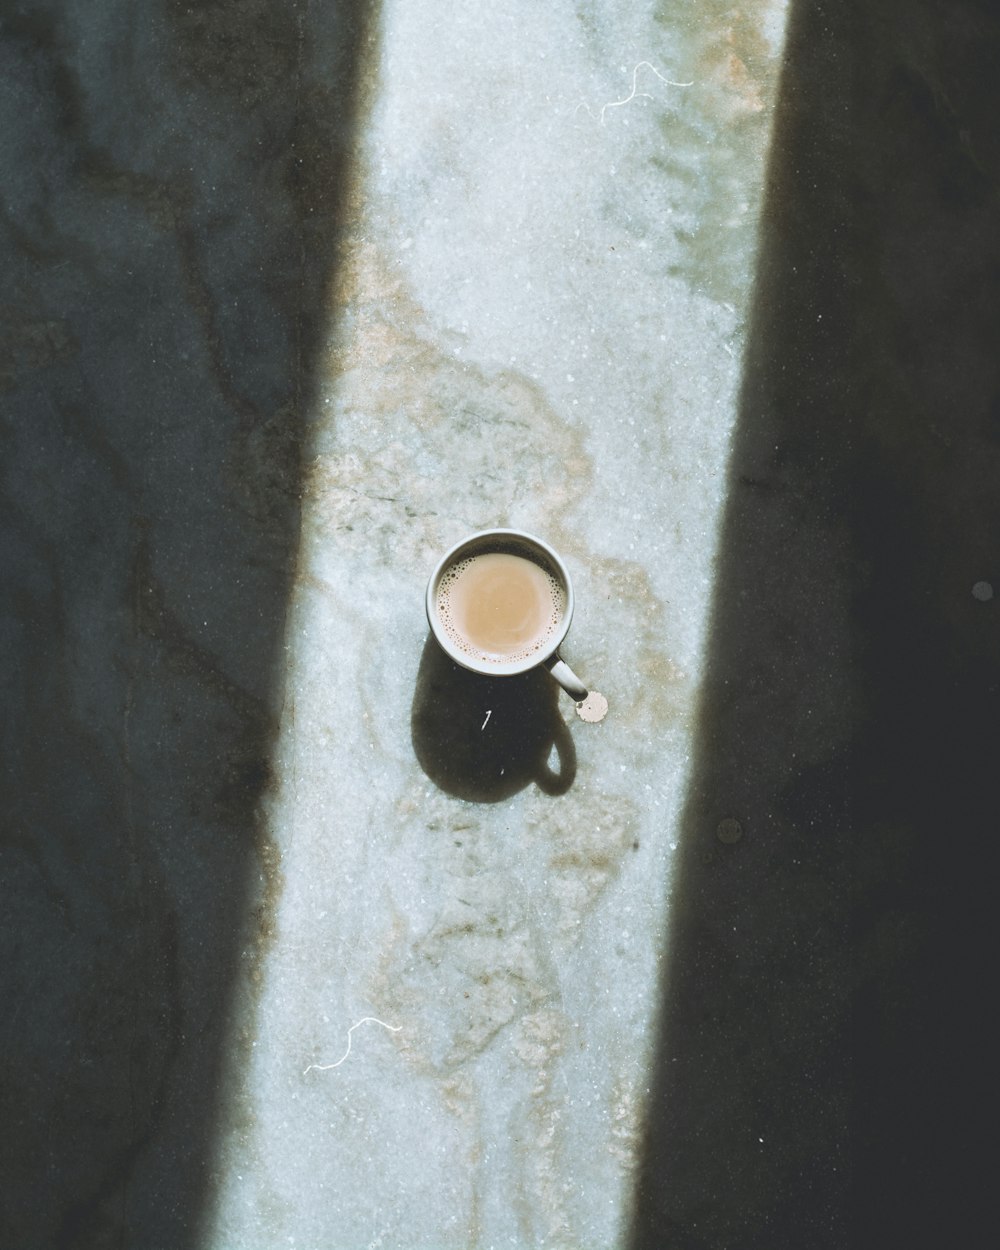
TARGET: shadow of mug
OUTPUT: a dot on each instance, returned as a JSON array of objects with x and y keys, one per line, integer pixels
[{"x": 485, "y": 738}]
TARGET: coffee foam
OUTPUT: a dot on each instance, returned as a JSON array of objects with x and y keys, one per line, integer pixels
[{"x": 443, "y": 608}]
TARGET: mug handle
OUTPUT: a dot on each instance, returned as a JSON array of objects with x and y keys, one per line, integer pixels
[
  {"x": 566, "y": 678},
  {"x": 548, "y": 780}
]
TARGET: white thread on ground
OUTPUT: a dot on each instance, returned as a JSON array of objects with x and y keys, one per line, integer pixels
[
  {"x": 485, "y": 722},
  {"x": 614, "y": 104},
  {"x": 325, "y": 1067}
]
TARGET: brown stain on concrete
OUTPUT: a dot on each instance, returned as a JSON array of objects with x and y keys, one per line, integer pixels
[{"x": 412, "y": 459}]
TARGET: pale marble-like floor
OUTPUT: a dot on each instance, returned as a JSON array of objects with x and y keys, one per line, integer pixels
[
  {"x": 307, "y": 937},
  {"x": 537, "y": 321}
]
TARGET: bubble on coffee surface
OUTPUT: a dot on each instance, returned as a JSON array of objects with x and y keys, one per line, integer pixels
[{"x": 541, "y": 636}]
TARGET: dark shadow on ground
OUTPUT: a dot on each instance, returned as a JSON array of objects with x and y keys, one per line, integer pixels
[
  {"x": 170, "y": 192},
  {"x": 485, "y": 738},
  {"x": 824, "y": 1079}
]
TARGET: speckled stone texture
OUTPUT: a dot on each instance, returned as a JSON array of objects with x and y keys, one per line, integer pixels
[
  {"x": 309, "y": 938},
  {"x": 536, "y": 322},
  {"x": 171, "y": 191}
]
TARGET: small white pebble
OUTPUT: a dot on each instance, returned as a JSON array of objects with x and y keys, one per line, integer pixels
[{"x": 593, "y": 708}]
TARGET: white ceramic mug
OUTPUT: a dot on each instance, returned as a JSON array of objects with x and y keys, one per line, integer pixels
[{"x": 512, "y": 542}]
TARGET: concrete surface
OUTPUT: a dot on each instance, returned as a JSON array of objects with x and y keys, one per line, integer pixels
[{"x": 297, "y": 295}]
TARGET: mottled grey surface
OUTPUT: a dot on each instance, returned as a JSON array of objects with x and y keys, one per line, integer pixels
[
  {"x": 544, "y": 275},
  {"x": 825, "y": 1075},
  {"x": 170, "y": 198},
  {"x": 265, "y": 263}
]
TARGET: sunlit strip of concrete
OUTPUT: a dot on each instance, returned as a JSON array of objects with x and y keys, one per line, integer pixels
[{"x": 537, "y": 320}]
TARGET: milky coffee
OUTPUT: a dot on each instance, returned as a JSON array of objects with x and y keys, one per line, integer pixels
[{"x": 499, "y": 607}]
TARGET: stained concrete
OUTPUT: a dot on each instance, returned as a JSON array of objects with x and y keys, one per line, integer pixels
[{"x": 296, "y": 297}]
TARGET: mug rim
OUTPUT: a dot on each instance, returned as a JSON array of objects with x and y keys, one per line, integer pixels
[{"x": 489, "y": 668}]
